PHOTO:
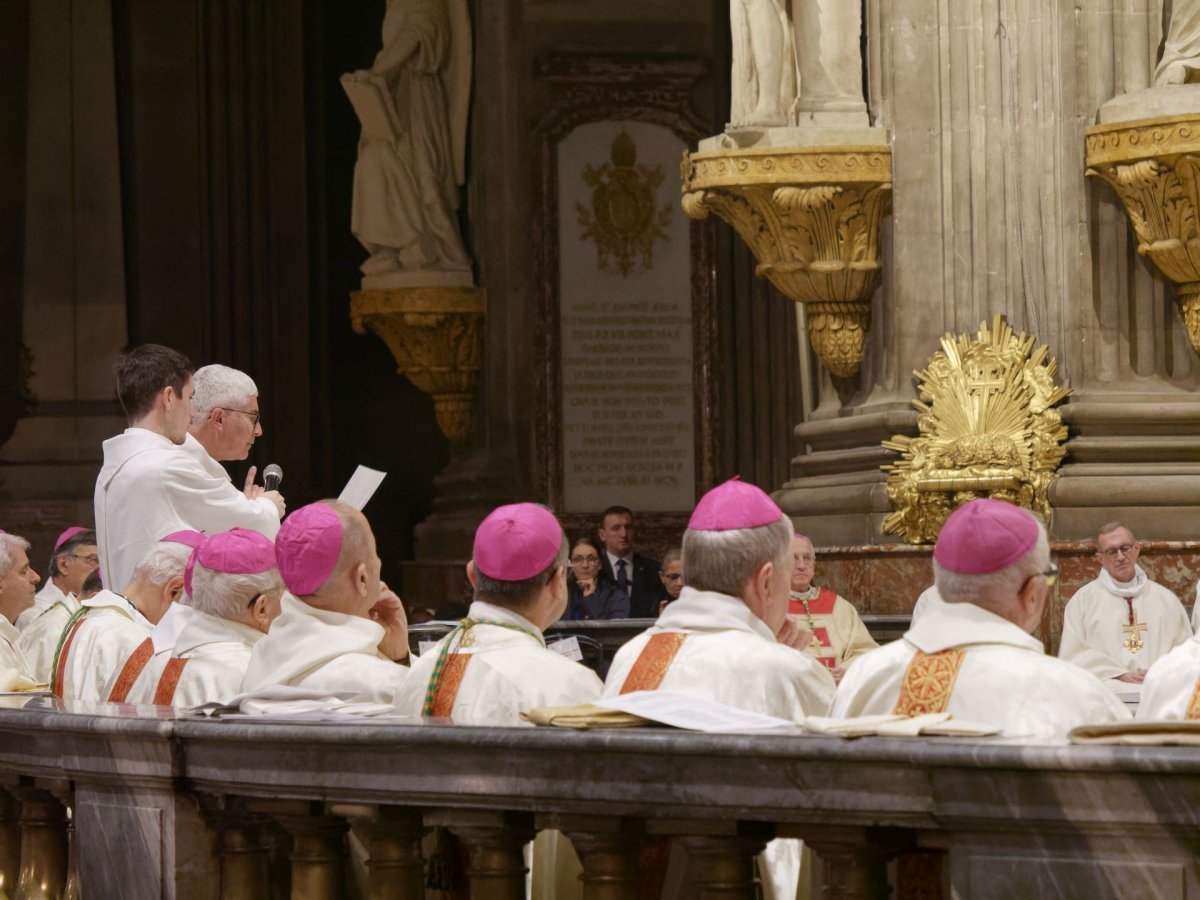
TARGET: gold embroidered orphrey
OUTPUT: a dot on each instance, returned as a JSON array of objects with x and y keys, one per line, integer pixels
[
  {"x": 987, "y": 429},
  {"x": 625, "y": 221}
]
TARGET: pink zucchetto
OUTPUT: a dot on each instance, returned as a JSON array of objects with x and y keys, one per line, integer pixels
[
  {"x": 307, "y": 548},
  {"x": 191, "y": 539},
  {"x": 733, "y": 505},
  {"x": 238, "y": 551},
  {"x": 517, "y": 541},
  {"x": 985, "y": 536},
  {"x": 68, "y": 534}
]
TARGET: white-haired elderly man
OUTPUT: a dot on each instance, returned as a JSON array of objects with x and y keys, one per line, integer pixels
[
  {"x": 233, "y": 589},
  {"x": 100, "y": 637},
  {"x": 73, "y": 560},
  {"x": 18, "y": 582},
  {"x": 728, "y": 637},
  {"x": 973, "y": 655}
]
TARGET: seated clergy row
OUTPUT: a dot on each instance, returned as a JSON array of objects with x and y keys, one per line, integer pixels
[{"x": 729, "y": 637}]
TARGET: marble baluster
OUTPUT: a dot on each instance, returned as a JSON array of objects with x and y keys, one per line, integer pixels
[
  {"x": 855, "y": 860},
  {"x": 396, "y": 866},
  {"x": 244, "y": 859},
  {"x": 496, "y": 843},
  {"x": 723, "y": 865},
  {"x": 608, "y": 849},
  {"x": 10, "y": 843},
  {"x": 43, "y": 845},
  {"x": 318, "y": 852}
]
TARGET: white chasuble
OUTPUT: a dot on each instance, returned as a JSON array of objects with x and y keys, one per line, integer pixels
[
  {"x": 729, "y": 655},
  {"x": 324, "y": 651},
  {"x": 135, "y": 678},
  {"x": 1098, "y": 634},
  {"x": 97, "y": 645},
  {"x": 1172, "y": 686},
  {"x": 10, "y": 655},
  {"x": 149, "y": 487},
  {"x": 210, "y": 657},
  {"x": 1002, "y": 678},
  {"x": 500, "y": 671},
  {"x": 39, "y": 637}
]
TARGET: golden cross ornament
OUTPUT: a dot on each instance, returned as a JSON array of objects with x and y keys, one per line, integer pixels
[{"x": 1133, "y": 641}]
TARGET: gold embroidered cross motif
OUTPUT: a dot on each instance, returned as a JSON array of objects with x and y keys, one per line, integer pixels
[{"x": 1133, "y": 641}]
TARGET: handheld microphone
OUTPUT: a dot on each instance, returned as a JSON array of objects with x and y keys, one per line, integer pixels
[{"x": 272, "y": 475}]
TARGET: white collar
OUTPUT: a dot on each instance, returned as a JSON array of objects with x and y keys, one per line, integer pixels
[
  {"x": 1124, "y": 589},
  {"x": 205, "y": 628},
  {"x": 710, "y": 611},
  {"x": 481, "y": 609},
  {"x": 948, "y": 625},
  {"x": 8, "y": 631},
  {"x": 107, "y": 599}
]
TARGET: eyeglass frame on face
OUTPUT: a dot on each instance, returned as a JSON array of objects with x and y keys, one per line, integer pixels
[
  {"x": 1051, "y": 576},
  {"x": 583, "y": 560},
  {"x": 672, "y": 576},
  {"x": 93, "y": 558},
  {"x": 1114, "y": 552},
  {"x": 255, "y": 417}
]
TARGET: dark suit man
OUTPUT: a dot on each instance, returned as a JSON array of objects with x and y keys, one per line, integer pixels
[{"x": 637, "y": 575}]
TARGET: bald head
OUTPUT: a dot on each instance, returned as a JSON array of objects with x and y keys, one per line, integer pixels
[{"x": 353, "y": 585}]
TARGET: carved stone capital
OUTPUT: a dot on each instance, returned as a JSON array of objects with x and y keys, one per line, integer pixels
[
  {"x": 436, "y": 337},
  {"x": 811, "y": 216},
  {"x": 1153, "y": 165}
]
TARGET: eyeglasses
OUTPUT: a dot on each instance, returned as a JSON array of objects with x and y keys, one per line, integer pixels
[
  {"x": 91, "y": 557},
  {"x": 672, "y": 577},
  {"x": 1051, "y": 575},
  {"x": 583, "y": 560},
  {"x": 1114, "y": 552},
  {"x": 255, "y": 417}
]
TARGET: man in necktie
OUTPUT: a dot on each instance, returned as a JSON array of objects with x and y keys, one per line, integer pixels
[{"x": 633, "y": 573}]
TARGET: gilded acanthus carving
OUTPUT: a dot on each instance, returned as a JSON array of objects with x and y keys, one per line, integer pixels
[
  {"x": 436, "y": 337},
  {"x": 1154, "y": 168},
  {"x": 987, "y": 429},
  {"x": 811, "y": 216}
]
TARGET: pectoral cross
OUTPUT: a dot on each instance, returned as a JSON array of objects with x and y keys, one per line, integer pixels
[{"x": 1133, "y": 641}]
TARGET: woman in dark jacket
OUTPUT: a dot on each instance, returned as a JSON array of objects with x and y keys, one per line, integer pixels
[{"x": 591, "y": 595}]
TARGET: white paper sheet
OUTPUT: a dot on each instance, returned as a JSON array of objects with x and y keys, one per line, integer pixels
[
  {"x": 361, "y": 487},
  {"x": 693, "y": 713},
  {"x": 568, "y": 647}
]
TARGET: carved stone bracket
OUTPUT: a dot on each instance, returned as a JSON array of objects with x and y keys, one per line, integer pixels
[
  {"x": 811, "y": 216},
  {"x": 1154, "y": 167},
  {"x": 436, "y": 337}
]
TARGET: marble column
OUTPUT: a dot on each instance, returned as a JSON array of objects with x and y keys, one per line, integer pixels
[
  {"x": 987, "y": 103},
  {"x": 608, "y": 850},
  {"x": 495, "y": 841},
  {"x": 43, "y": 845}
]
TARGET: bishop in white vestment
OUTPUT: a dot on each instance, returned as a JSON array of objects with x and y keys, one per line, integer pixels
[
  {"x": 74, "y": 559},
  {"x": 839, "y": 635},
  {"x": 339, "y": 629},
  {"x": 495, "y": 664},
  {"x": 1118, "y": 625},
  {"x": 973, "y": 654},
  {"x": 232, "y": 595},
  {"x": 728, "y": 637},
  {"x": 107, "y": 628}
]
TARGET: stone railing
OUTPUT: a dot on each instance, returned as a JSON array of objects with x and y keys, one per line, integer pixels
[{"x": 183, "y": 808}]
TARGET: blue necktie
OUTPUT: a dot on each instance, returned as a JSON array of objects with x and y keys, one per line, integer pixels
[{"x": 622, "y": 578}]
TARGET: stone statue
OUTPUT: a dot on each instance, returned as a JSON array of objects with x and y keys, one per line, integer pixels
[
  {"x": 764, "y": 63},
  {"x": 1180, "y": 63},
  {"x": 828, "y": 35},
  {"x": 412, "y": 103},
  {"x": 820, "y": 39}
]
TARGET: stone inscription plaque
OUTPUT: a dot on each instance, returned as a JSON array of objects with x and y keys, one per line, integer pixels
[{"x": 625, "y": 313}]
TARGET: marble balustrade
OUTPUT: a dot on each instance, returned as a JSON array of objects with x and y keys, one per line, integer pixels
[{"x": 183, "y": 808}]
